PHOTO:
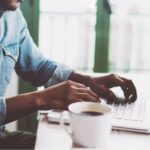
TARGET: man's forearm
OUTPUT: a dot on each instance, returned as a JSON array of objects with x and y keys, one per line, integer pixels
[
  {"x": 80, "y": 78},
  {"x": 24, "y": 104},
  {"x": 20, "y": 106}
]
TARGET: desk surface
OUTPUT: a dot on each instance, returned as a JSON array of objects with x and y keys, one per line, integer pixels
[{"x": 52, "y": 136}]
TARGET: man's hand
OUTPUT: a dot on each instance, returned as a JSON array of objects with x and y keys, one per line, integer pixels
[
  {"x": 54, "y": 97},
  {"x": 102, "y": 85},
  {"x": 61, "y": 95}
]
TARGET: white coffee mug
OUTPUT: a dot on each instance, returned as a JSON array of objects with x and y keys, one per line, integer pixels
[{"x": 89, "y": 130}]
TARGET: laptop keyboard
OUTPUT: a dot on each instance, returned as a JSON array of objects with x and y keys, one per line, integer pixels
[{"x": 132, "y": 112}]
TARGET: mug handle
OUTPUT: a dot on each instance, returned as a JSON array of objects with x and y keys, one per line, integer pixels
[{"x": 62, "y": 123}]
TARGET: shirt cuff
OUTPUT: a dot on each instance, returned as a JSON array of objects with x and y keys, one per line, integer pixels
[
  {"x": 2, "y": 110},
  {"x": 61, "y": 73}
]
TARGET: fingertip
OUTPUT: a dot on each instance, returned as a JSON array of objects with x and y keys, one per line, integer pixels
[
  {"x": 132, "y": 100},
  {"x": 97, "y": 97},
  {"x": 112, "y": 96},
  {"x": 99, "y": 100},
  {"x": 109, "y": 102}
]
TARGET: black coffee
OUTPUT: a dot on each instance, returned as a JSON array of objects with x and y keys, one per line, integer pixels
[{"x": 92, "y": 113}]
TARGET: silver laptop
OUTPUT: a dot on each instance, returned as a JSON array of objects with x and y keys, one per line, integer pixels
[
  {"x": 128, "y": 117},
  {"x": 132, "y": 117}
]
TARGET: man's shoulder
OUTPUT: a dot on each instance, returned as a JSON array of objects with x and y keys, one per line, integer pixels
[
  {"x": 14, "y": 19},
  {"x": 12, "y": 22}
]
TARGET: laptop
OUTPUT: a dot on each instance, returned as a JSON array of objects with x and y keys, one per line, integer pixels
[
  {"x": 128, "y": 117},
  {"x": 132, "y": 117}
]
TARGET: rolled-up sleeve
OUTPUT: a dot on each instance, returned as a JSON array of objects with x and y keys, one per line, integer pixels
[
  {"x": 31, "y": 65},
  {"x": 2, "y": 115},
  {"x": 61, "y": 73}
]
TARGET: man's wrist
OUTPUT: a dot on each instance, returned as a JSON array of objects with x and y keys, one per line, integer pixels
[
  {"x": 39, "y": 102},
  {"x": 80, "y": 78}
]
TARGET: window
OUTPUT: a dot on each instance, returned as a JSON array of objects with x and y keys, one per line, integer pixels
[
  {"x": 67, "y": 31},
  {"x": 129, "y": 47}
]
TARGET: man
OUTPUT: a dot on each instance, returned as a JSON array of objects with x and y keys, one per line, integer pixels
[{"x": 64, "y": 85}]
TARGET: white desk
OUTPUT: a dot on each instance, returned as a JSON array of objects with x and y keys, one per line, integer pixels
[{"x": 52, "y": 136}]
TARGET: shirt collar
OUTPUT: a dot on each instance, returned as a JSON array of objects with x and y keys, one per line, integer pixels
[{"x": 2, "y": 11}]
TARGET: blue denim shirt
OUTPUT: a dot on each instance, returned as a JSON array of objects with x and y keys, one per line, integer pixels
[{"x": 18, "y": 52}]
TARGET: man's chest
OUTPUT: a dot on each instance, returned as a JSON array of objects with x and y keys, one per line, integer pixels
[{"x": 8, "y": 59}]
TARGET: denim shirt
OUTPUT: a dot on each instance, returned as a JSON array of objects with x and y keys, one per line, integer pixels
[{"x": 18, "y": 52}]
